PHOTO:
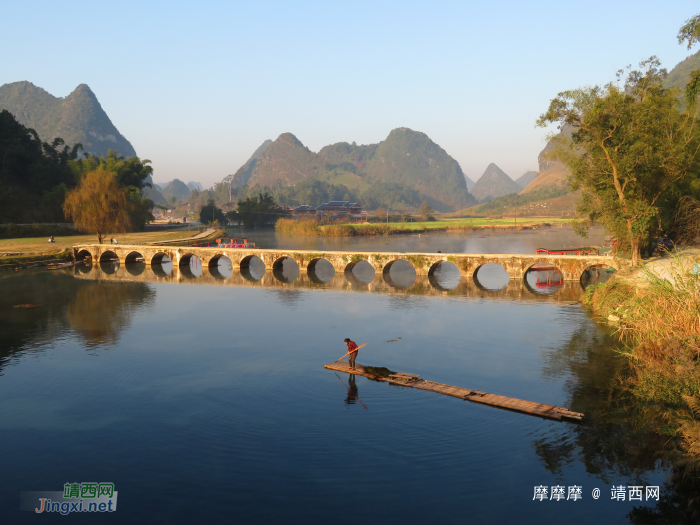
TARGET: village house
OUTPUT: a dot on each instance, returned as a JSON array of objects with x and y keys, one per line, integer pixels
[{"x": 333, "y": 210}]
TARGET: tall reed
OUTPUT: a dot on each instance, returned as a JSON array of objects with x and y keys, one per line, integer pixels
[{"x": 660, "y": 319}]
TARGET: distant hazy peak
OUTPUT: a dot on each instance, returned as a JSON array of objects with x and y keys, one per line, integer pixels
[
  {"x": 526, "y": 179},
  {"x": 289, "y": 138},
  {"x": 494, "y": 183}
]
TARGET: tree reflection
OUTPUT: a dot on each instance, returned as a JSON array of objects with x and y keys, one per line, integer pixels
[
  {"x": 101, "y": 312},
  {"x": 97, "y": 310},
  {"x": 620, "y": 437}
]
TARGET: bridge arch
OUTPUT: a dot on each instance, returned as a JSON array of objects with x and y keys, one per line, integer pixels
[
  {"x": 252, "y": 268},
  {"x": 160, "y": 258},
  {"x": 491, "y": 276},
  {"x": 82, "y": 254},
  {"x": 285, "y": 269},
  {"x": 444, "y": 275},
  {"x": 406, "y": 273},
  {"x": 133, "y": 257},
  {"x": 186, "y": 259},
  {"x": 320, "y": 270},
  {"x": 596, "y": 273},
  {"x": 108, "y": 256},
  {"x": 544, "y": 277},
  {"x": 216, "y": 258},
  {"x": 360, "y": 272}
]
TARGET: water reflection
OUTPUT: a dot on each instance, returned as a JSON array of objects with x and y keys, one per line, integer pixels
[
  {"x": 400, "y": 274},
  {"x": 321, "y": 271},
  {"x": 95, "y": 310},
  {"x": 100, "y": 313},
  {"x": 491, "y": 277},
  {"x": 446, "y": 276},
  {"x": 544, "y": 279},
  {"x": 135, "y": 268},
  {"x": 392, "y": 282},
  {"x": 353, "y": 397}
]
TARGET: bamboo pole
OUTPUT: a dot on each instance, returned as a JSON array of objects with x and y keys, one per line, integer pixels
[{"x": 351, "y": 351}]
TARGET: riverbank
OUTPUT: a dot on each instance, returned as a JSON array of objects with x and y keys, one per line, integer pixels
[
  {"x": 16, "y": 253},
  {"x": 313, "y": 228},
  {"x": 655, "y": 310}
]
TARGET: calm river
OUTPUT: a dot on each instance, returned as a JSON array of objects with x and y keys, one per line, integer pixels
[{"x": 202, "y": 394}]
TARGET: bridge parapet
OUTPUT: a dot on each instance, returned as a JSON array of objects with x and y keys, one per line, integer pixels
[{"x": 572, "y": 267}]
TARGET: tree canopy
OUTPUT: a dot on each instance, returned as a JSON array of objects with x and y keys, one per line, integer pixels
[
  {"x": 131, "y": 173},
  {"x": 259, "y": 210},
  {"x": 34, "y": 175},
  {"x": 100, "y": 204},
  {"x": 211, "y": 213},
  {"x": 632, "y": 148},
  {"x": 690, "y": 32}
]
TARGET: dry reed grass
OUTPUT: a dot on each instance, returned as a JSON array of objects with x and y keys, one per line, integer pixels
[{"x": 661, "y": 323}]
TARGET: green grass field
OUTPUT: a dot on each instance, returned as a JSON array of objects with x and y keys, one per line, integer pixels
[{"x": 37, "y": 248}]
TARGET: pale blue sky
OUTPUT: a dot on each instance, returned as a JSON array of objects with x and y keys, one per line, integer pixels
[{"x": 197, "y": 87}]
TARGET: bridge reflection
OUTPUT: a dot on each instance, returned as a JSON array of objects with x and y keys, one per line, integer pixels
[{"x": 515, "y": 289}]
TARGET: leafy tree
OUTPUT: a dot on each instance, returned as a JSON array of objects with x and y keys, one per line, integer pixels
[
  {"x": 100, "y": 204},
  {"x": 30, "y": 172},
  {"x": 131, "y": 173},
  {"x": 426, "y": 211},
  {"x": 211, "y": 213},
  {"x": 259, "y": 210},
  {"x": 690, "y": 32},
  {"x": 631, "y": 144}
]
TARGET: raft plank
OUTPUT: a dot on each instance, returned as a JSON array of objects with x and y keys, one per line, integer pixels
[{"x": 476, "y": 396}]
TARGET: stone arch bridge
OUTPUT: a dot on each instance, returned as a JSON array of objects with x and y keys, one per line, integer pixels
[{"x": 572, "y": 267}]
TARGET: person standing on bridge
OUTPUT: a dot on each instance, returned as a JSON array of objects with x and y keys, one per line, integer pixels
[{"x": 352, "y": 348}]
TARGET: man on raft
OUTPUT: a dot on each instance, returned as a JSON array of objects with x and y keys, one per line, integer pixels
[{"x": 352, "y": 349}]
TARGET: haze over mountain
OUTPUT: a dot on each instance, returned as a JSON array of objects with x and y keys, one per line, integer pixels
[
  {"x": 178, "y": 189},
  {"x": 494, "y": 183},
  {"x": 77, "y": 118},
  {"x": 406, "y": 157},
  {"x": 470, "y": 183},
  {"x": 526, "y": 179},
  {"x": 192, "y": 185},
  {"x": 154, "y": 193},
  {"x": 242, "y": 176}
]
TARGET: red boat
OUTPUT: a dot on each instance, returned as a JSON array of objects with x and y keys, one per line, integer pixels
[{"x": 568, "y": 251}]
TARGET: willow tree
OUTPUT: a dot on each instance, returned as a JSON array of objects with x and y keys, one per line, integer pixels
[
  {"x": 632, "y": 141},
  {"x": 99, "y": 204}
]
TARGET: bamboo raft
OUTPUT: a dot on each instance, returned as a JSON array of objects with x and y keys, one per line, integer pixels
[{"x": 507, "y": 403}]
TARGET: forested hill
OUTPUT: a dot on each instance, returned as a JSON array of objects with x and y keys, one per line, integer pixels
[
  {"x": 680, "y": 75},
  {"x": 77, "y": 118},
  {"x": 406, "y": 159}
]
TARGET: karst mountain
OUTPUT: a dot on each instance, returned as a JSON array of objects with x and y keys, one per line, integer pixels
[{"x": 406, "y": 157}]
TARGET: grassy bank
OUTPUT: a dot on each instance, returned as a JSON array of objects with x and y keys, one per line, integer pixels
[
  {"x": 313, "y": 228},
  {"x": 16, "y": 251},
  {"x": 659, "y": 320}
]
